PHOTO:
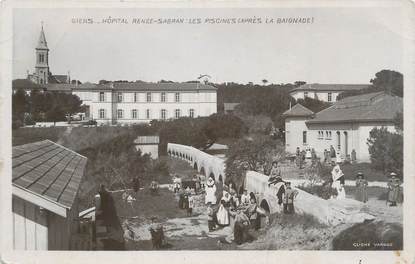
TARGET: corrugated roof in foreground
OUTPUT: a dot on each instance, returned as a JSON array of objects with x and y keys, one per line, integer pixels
[
  {"x": 371, "y": 107},
  {"x": 49, "y": 170}
]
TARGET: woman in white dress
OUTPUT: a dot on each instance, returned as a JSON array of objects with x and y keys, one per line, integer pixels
[
  {"x": 338, "y": 181},
  {"x": 222, "y": 215},
  {"x": 210, "y": 189}
]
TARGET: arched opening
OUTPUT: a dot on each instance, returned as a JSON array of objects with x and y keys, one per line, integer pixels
[
  {"x": 202, "y": 171},
  {"x": 212, "y": 175},
  {"x": 169, "y": 152},
  {"x": 195, "y": 166},
  {"x": 220, "y": 178}
]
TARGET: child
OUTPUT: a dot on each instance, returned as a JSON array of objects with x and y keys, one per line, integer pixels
[
  {"x": 210, "y": 213},
  {"x": 191, "y": 205},
  {"x": 288, "y": 200}
]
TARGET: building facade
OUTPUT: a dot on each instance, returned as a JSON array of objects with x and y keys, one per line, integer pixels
[
  {"x": 142, "y": 102},
  {"x": 323, "y": 92},
  {"x": 345, "y": 126}
]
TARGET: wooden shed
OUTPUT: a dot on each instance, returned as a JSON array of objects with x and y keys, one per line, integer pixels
[{"x": 46, "y": 179}]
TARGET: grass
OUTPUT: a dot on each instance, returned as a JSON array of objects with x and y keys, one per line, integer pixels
[
  {"x": 28, "y": 135},
  {"x": 350, "y": 171}
]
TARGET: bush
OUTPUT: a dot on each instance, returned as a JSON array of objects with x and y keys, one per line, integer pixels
[
  {"x": 29, "y": 121},
  {"x": 16, "y": 123},
  {"x": 386, "y": 150},
  {"x": 324, "y": 191}
]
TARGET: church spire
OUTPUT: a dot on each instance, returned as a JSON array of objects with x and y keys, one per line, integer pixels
[{"x": 42, "y": 44}]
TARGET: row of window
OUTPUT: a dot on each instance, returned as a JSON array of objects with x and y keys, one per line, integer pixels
[
  {"x": 321, "y": 134},
  {"x": 329, "y": 96},
  {"x": 134, "y": 114},
  {"x": 41, "y": 58},
  {"x": 149, "y": 97}
]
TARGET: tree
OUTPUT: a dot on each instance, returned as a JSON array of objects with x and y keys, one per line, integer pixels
[
  {"x": 386, "y": 150},
  {"x": 314, "y": 105},
  {"x": 55, "y": 114},
  {"x": 264, "y": 81},
  {"x": 299, "y": 83},
  {"x": 254, "y": 154},
  {"x": 398, "y": 121},
  {"x": 389, "y": 81},
  {"x": 20, "y": 105}
]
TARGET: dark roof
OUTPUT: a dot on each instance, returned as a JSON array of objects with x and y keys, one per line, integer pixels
[
  {"x": 48, "y": 170},
  {"x": 229, "y": 106},
  {"x": 25, "y": 84},
  {"x": 60, "y": 87},
  {"x": 58, "y": 79},
  {"x": 367, "y": 107},
  {"x": 298, "y": 110},
  {"x": 329, "y": 87},
  {"x": 142, "y": 86}
]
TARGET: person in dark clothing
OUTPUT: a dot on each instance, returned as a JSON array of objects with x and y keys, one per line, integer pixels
[
  {"x": 240, "y": 229},
  {"x": 136, "y": 184}
]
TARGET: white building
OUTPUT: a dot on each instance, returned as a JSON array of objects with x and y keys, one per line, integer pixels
[
  {"x": 345, "y": 125},
  {"x": 323, "y": 92},
  {"x": 142, "y": 102},
  {"x": 148, "y": 145}
]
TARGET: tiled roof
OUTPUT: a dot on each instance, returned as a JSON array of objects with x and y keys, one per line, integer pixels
[
  {"x": 329, "y": 87},
  {"x": 367, "y": 107},
  {"x": 58, "y": 79},
  {"x": 142, "y": 86},
  {"x": 25, "y": 84},
  {"x": 48, "y": 170},
  {"x": 298, "y": 110},
  {"x": 60, "y": 87}
]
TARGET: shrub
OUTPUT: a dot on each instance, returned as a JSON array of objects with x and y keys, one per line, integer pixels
[
  {"x": 324, "y": 191},
  {"x": 386, "y": 150}
]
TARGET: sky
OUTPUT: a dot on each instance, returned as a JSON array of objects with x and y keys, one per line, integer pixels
[{"x": 341, "y": 45}]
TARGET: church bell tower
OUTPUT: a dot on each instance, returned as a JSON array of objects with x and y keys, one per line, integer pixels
[{"x": 42, "y": 59}]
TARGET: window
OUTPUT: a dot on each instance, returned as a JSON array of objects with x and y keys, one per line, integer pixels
[
  {"x": 148, "y": 97},
  {"x": 177, "y": 97},
  {"x": 148, "y": 114},
  {"x": 192, "y": 113},
  {"x": 135, "y": 97},
  {"x": 320, "y": 134},
  {"x": 120, "y": 113},
  {"x": 305, "y": 94},
  {"x": 163, "y": 97},
  {"x": 329, "y": 97},
  {"x": 102, "y": 113},
  {"x": 134, "y": 114},
  {"x": 177, "y": 113},
  {"x": 119, "y": 97},
  {"x": 163, "y": 114},
  {"x": 304, "y": 137},
  {"x": 41, "y": 58},
  {"x": 101, "y": 96}
]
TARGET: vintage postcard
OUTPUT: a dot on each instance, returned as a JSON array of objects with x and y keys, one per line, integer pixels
[{"x": 207, "y": 131}]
